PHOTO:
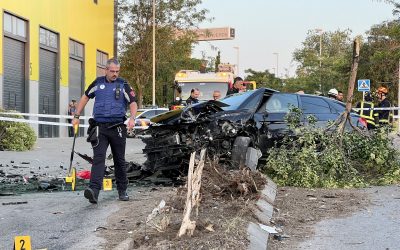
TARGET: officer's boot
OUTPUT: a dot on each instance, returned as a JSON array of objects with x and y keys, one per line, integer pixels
[
  {"x": 123, "y": 195},
  {"x": 92, "y": 195}
]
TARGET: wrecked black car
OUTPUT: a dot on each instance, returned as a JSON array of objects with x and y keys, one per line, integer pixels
[{"x": 238, "y": 129}]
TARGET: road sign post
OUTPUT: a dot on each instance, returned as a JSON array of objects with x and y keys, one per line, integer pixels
[{"x": 364, "y": 85}]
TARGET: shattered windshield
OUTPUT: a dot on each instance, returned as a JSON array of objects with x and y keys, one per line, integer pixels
[
  {"x": 234, "y": 101},
  {"x": 206, "y": 89}
]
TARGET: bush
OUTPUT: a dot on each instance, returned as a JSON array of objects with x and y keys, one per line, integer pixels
[
  {"x": 16, "y": 136},
  {"x": 315, "y": 158}
]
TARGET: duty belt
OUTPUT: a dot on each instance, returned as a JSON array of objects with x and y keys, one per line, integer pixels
[{"x": 110, "y": 125}]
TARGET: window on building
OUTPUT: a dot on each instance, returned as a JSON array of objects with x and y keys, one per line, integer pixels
[
  {"x": 75, "y": 49},
  {"x": 101, "y": 61},
  {"x": 48, "y": 38},
  {"x": 14, "y": 25}
]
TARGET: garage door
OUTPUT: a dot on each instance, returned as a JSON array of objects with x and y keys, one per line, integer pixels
[
  {"x": 14, "y": 75},
  {"x": 48, "y": 91},
  {"x": 75, "y": 79},
  {"x": 76, "y": 84}
]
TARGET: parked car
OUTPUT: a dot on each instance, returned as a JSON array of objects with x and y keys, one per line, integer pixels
[
  {"x": 234, "y": 128},
  {"x": 142, "y": 120}
]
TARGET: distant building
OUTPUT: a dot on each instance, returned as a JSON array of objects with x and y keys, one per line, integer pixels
[{"x": 49, "y": 52}]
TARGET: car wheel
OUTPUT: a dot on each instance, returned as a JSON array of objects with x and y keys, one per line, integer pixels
[{"x": 239, "y": 151}]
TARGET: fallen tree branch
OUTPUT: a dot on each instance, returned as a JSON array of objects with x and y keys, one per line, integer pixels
[{"x": 193, "y": 193}]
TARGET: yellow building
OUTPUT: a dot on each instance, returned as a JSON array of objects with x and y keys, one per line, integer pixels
[{"x": 49, "y": 51}]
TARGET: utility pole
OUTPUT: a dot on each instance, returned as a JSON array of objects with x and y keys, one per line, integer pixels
[
  {"x": 320, "y": 31},
  {"x": 398, "y": 102},
  {"x": 277, "y": 63},
  {"x": 115, "y": 29},
  {"x": 154, "y": 52},
  {"x": 237, "y": 58}
]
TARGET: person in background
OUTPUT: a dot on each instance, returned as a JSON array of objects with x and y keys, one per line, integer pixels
[
  {"x": 237, "y": 86},
  {"x": 194, "y": 96},
  {"x": 318, "y": 93},
  {"x": 339, "y": 96},
  {"x": 368, "y": 115},
  {"x": 216, "y": 95},
  {"x": 71, "y": 111},
  {"x": 382, "y": 116},
  {"x": 332, "y": 93}
]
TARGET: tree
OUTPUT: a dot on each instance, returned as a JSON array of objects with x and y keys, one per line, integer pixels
[
  {"x": 217, "y": 61},
  {"x": 331, "y": 68},
  {"x": 380, "y": 56},
  {"x": 174, "y": 19},
  {"x": 264, "y": 79}
]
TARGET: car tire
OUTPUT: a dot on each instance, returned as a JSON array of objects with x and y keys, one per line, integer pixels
[{"x": 239, "y": 151}]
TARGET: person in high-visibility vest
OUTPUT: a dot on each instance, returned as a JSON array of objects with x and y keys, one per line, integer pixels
[
  {"x": 368, "y": 115},
  {"x": 382, "y": 116}
]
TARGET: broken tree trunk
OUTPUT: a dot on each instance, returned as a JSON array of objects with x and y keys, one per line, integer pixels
[
  {"x": 344, "y": 117},
  {"x": 193, "y": 193}
]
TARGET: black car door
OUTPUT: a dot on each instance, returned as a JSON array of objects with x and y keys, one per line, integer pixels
[
  {"x": 270, "y": 118},
  {"x": 319, "y": 108}
]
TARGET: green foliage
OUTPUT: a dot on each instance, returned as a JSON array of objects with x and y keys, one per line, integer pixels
[
  {"x": 264, "y": 79},
  {"x": 380, "y": 55},
  {"x": 315, "y": 158},
  {"x": 174, "y": 43},
  {"x": 217, "y": 61},
  {"x": 16, "y": 135},
  {"x": 325, "y": 71}
]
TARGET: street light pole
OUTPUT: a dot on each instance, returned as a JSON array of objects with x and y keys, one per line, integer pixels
[
  {"x": 277, "y": 63},
  {"x": 320, "y": 31},
  {"x": 237, "y": 58},
  {"x": 154, "y": 53}
]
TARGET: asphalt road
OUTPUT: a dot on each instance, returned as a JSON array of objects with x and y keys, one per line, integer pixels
[
  {"x": 376, "y": 227},
  {"x": 58, "y": 220},
  {"x": 65, "y": 220}
]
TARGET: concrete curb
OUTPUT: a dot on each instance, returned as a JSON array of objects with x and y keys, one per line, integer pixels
[
  {"x": 263, "y": 211},
  {"x": 125, "y": 245}
]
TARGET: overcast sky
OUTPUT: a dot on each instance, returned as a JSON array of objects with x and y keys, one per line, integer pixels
[{"x": 265, "y": 27}]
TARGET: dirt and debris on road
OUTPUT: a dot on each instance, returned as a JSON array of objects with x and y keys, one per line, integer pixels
[
  {"x": 298, "y": 209},
  {"x": 223, "y": 214}
]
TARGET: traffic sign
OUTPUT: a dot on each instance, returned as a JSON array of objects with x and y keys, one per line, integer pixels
[{"x": 364, "y": 85}]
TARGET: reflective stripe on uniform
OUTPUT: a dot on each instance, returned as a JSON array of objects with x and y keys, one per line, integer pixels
[{"x": 369, "y": 117}]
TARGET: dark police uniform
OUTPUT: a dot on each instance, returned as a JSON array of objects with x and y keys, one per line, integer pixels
[
  {"x": 232, "y": 91},
  {"x": 382, "y": 116},
  {"x": 191, "y": 100},
  {"x": 112, "y": 99}
]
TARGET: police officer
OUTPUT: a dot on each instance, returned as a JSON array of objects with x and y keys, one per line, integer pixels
[
  {"x": 193, "y": 98},
  {"x": 367, "y": 114},
  {"x": 382, "y": 116},
  {"x": 237, "y": 86},
  {"x": 113, "y": 95}
]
